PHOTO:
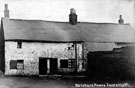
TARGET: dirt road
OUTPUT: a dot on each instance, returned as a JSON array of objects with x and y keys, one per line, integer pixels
[{"x": 55, "y": 82}]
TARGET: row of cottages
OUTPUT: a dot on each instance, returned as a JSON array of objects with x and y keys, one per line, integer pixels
[{"x": 37, "y": 47}]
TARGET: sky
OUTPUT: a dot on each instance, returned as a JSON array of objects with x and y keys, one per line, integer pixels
[{"x": 99, "y": 11}]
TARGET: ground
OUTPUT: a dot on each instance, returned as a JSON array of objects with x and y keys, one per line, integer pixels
[{"x": 56, "y": 82}]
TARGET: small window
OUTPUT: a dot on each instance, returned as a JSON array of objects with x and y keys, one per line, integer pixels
[
  {"x": 17, "y": 64},
  {"x": 19, "y": 44},
  {"x": 13, "y": 64},
  {"x": 71, "y": 47},
  {"x": 64, "y": 63}
]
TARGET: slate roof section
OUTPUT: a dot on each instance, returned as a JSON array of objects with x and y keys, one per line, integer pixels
[{"x": 64, "y": 31}]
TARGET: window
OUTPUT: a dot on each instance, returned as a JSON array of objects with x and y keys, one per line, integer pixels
[
  {"x": 71, "y": 63},
  {"x": 16, "y": 64},
  {"x": 19, "y": 44},
  {"x": 64, "y": 63}
]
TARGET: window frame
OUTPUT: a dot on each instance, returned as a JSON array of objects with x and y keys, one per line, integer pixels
[
  {"x": 14, "y": 64},
  {"x": 71, "y": 63}
]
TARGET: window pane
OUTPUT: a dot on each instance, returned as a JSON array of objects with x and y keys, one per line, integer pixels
[
  {"x": 72, "y": 63},
  {"x": 13, "y": 64},
  {"x": 64, "y": 63},
  {"x": 19, "y": 44},
  {"x": 20, "y": 64}
]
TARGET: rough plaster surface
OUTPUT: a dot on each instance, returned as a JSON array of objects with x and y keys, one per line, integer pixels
[{"x": 30, "y": 53}]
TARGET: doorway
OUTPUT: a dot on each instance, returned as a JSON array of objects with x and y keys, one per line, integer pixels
[
  {"x": 42, "y": 66},
  {"x": 48, "y": 66}
]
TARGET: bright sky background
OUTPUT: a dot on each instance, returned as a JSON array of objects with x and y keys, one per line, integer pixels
[{"x": 107, "y": 11}]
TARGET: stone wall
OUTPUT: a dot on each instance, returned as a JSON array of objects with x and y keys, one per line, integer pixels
[{"x": 31, "y": 51}]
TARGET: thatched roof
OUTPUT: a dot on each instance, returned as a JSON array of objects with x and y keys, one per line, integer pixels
[{"x": 64, "y": 31}]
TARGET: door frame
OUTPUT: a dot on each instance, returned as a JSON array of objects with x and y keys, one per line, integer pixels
[{"x": 48, "y": 66}]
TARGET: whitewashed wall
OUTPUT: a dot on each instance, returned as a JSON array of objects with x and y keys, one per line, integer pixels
[{"x": 30, "y": 53}]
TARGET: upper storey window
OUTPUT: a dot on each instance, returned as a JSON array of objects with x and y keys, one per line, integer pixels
[{"x": 19, "y": 44}]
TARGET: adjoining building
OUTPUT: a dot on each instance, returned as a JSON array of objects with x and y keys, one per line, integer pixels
[{"x": 37, "y": 47}]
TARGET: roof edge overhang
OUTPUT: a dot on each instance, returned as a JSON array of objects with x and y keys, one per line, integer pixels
[
  {"x": 43, "y": 41},
  {"x": 47, "y": 41}
]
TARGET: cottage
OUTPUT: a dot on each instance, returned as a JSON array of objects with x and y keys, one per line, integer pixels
[{"x": 37, "y": 47}]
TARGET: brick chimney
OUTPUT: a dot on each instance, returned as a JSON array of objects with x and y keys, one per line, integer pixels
[
  {"x": 121, "y": 21},
  {"x": 72, "y": 16},
  {"x": 6, "y": 11}
]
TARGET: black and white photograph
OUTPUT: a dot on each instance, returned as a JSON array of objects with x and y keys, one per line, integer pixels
[{"x": 67, "y": 44}]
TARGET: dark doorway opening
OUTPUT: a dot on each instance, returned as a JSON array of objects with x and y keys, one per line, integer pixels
[
  {"x": 53, "y": 66},
  {"x": 48, "y": 66},
  {"x": 42, "y": 66}
]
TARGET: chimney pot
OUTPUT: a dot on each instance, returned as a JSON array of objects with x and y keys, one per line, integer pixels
[
  {"x": 6, "y": 6},
  {"x": 72, "y": 11}
]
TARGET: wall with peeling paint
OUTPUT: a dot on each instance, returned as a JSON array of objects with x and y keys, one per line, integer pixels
[{"x": 31, "y": 51}]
